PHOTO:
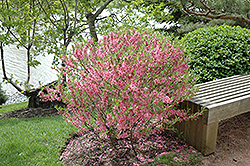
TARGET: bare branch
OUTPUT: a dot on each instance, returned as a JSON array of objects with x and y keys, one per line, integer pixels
[
  {"x": 5, "y": 75},
  {"x": 127, "y": 1},
  {"x": 17, "y": 38},
  {"x": 75, "y": 14},
  {"x": 73, "y": 34},
  {"x": 70, "y": 36},
  {"x": 99, "y": 11},
  {"x": 66, "y": 13},
  {"x": 34, "y": 27},
  {"x": 9, "y": 29},
  {"x": 81, "y": 31},
  {"x": 28, "y": 64},
  {"x": 53, "y": 22},
  {"x": 101, "y": 18},
  {"x": 121, "y": 18},
  {"x": 80, "y": 26},
  {"x": 209, "y": 9}
]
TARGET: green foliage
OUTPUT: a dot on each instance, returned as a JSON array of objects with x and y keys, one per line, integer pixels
[
  {"x": 176, "y": 159},
  {"x": 3, "y": 96},
  {"x": 169, "y": 12},
  {"x": 181, "y": 23},
  {"x": 218, "y": 52}
]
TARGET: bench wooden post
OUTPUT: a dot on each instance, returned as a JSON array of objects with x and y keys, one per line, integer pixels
[
  {"x": 222, "y": 99},
  {"x": 208, "y": 145}
]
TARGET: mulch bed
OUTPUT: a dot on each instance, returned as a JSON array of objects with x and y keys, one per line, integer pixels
[
  {"x": 30, "y": 113},
  {"x": 87, "y": 150}
]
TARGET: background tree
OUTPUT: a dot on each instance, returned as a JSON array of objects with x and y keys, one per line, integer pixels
[
  {"x": 76, "y": 21},
  {"x": 3, "y": 96},
  {"x": 184, "y": 16},
  {"x": 42, "y": 26},
  {"x": 19, "y": 26},
  {"x": 236, "y": 10},
  {"x": 168, "y": 12},
  {"x": 217, "y": 12}
]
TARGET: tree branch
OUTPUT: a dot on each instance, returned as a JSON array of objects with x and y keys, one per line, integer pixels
[
  {"x": 66, "y": 13},
  {"x": 99, "y": 11},
  {"x": 75, "y": 14},
  {"x": 18, "y": 88},
  {"x": 190, "y": 12},
  {"x": 127, "y": 1},
  {"x": 53, "y": 22}
]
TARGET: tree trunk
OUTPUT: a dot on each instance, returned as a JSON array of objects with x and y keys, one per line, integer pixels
[
  {"x": 34, "y": 99},
  {"x": 36, "y": 102}
]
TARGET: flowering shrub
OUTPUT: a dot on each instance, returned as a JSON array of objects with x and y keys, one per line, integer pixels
[{"x": 123, "y": 87}]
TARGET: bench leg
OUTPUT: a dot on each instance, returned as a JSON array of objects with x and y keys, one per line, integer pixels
[
  {"x": 209, "y": 138},
  {"x": 199, "y": 134}
]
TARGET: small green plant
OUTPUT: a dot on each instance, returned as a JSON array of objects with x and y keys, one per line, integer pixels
[
  {"x": 177, "y": 159},
  {"x": 3, "y": 96},
  {"x": 218, "y": 52}
]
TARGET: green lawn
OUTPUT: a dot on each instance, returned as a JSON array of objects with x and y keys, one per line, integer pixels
[
  {"x": 12, "y": 107},
  {"x": 33, "y": 141}
]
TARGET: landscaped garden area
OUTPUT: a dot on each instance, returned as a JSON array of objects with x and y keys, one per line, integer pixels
[
  {"x": 44, "y": 145},
  {"x": 122, "y": 100}
]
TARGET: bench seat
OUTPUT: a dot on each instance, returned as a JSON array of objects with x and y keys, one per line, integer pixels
[{"x": 221, "y": 99}]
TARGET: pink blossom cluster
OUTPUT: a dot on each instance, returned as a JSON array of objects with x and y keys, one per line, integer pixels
[{"x": 125, "y": 86}]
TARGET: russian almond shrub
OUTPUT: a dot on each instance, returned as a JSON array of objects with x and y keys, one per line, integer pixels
[
  {"x": 123, "y": 87},
  {"x": 218, "y": 52}
]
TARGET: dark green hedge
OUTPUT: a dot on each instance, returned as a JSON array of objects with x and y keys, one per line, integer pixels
[{"x": 218, "y": 52}]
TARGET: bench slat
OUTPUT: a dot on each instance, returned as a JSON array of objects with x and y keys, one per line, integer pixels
[
  {"x": 223, "y": 80},
  {"x": 214, "y": 92},
  {"x": 230, "y": 83},
  {"x": 207, "y": 102}
]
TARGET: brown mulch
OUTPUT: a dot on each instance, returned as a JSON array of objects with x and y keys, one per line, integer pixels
[
  {"x": 30, "y": 113},
  {"x": 233, "y": 142}
]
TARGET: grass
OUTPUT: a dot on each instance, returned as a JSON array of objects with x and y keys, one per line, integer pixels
[
  {"x": 12, "y": 107},
  {"x": 33, "y": 141},
  {"x": 176, "y": 159}
]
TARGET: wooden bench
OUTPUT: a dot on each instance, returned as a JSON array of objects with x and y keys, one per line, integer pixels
[{"x": 222, "y": 99}]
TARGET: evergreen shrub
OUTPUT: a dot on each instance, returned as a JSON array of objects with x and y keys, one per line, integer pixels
[
  {"x": 218, "y": 52},
  {"x": 3, "y": 96}
]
